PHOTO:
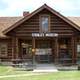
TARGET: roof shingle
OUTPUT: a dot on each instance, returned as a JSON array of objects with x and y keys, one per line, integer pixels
[
  {"x": 76, "y": 20},
  {"x": 6, "y": 22}
]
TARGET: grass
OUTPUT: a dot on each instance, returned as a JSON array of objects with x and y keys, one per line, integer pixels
[
  {"x": 61, "y": 75},
  {"x": 10, "y": 71}
]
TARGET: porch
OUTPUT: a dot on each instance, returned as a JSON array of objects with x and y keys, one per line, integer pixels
[
  {"x": 57, "y": 50},
  {"x": 39, "y": 67}
]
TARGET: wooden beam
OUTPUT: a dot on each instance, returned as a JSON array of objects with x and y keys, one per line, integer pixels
[
  {"x": 56, "y": 50},
  {"x": 12, "y": 49},
  {"x": 33, "y": 52},
  {"x": 33, "y": 42},
  {"x": 15, "y": 48},
  {"x": 73, "y": 50}
]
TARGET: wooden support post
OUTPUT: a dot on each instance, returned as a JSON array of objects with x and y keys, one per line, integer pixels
[
  {"x": 33, "y": 52},
  {"x": 17, "y": 48},
  {"x": 14, "y": 48},
  {"x": 33, "y": 42},
  {"x": 56, "y": 50},
  {"x": 73, "y": 50}
]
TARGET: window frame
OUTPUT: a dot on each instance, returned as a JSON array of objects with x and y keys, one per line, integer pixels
[
  {"x": 78, "y": 51},
  {"x": 6, "y": 50},
  {"x": 40, "y": 22}
]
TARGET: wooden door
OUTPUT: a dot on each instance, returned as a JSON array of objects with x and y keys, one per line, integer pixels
[{"x": 43, "y": 51}]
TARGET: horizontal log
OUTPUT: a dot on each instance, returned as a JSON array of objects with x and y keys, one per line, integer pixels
[{"x": 60, "y": 28}]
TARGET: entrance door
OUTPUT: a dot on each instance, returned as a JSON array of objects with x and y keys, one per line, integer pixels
[{"x": 43, "y": 51}]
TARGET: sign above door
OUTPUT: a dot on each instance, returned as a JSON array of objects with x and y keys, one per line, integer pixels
[{"x": 44, "y": 34}]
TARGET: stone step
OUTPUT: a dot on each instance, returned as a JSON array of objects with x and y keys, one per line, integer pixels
[{"x": 45, "y": 68}]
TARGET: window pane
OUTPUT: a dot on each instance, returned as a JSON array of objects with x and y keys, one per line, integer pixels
[
  {"x": 44, "y": 24},
  {"x": 78, "y": 50},
  {"x": 3, "y": 49},
  {"x": 26, "y": 48}
]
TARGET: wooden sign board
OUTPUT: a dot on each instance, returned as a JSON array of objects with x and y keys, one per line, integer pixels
[{"x": 44, "y": 34}]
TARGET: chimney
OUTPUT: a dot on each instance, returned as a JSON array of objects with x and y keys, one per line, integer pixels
[{"x": 25, "y": 13}]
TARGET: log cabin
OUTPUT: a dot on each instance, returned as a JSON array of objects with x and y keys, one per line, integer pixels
[{"x": 45, "y": 36}]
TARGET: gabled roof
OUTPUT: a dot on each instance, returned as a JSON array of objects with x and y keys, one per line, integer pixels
[
  {"x": 6, "y": 22},
  {"x": 35, "y": 12}
]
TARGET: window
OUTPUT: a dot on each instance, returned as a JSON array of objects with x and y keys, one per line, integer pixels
[
  {"x": 3, "y": 49},
  {"x": 78, "y": 50},
  {"x": 44, "y": 23},
  {"x": 26, "y": 48}
]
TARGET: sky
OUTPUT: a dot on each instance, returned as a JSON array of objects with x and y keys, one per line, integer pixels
[{"x": 16, "y": 7}]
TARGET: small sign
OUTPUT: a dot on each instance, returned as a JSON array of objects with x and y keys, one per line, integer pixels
[
  {"x": 37, "y": 34},
  {"x": 51, "y": 34},
  {"x": 78, "y": 48},
  {"x": 44, "y": 34}
]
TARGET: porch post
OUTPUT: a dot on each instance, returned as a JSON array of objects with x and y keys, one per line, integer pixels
[
  {"x": 14, "y": 48},
  {"x": 33, "y": 52},
  {"x": 33, "y": 42},
  {"x": 17, "y": 48},
  {"x": 56, "y": 50},
  {"x": 73, "y": 50}
]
